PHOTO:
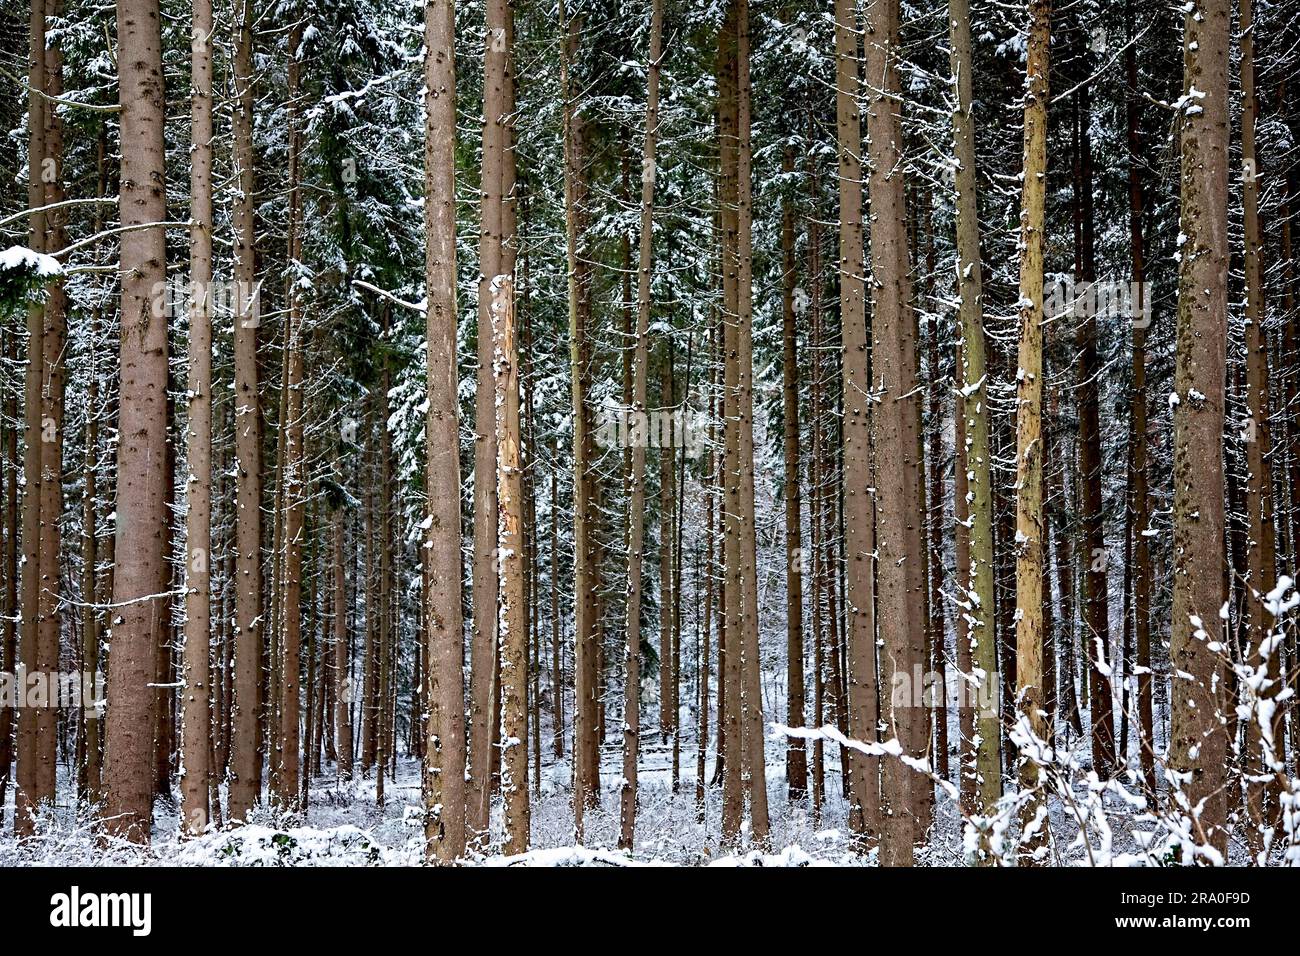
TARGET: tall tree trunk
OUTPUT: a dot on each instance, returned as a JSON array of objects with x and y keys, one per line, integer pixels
[
  {"x": 895, "y": 433},
  {"x": 54, "y": 342},
  {"x": 733, "y": 799},
  {"x": 751, "y": 700},
  {"x": 1291, "y": 435},
  {"x": 796, "y": 753},
  {"x": 196, "y": 721},
  {"x": 483, "y": 647},
  {"x": 444, "y": 756},
  {"x": 815, "y": 479},
  {"x": 937, "y": 657},
  {"x": 385, "y": 682},
  {"x": 1264, "y": 757},
  {"x": 342, "y": 669},
  {"x": 139, "y": 615},
  {"x": 667, "y": 510},
  {"x": 1030, "y": 525},
  {"x": 680, "y": 429},
  {"x": 557, "y": 662},
  {"x": 370, "y": 674},
  {"x": 859, "y": 527},
  {"x": 705, "y": 622},
  {"x": 245, "y": 770},
  {"x": 586, "y": 772},
  {"x": 1096, "y": 605},
  {"x": 637, "y": 410},
  {"x": 1199, "y": 744},
  {"x": 32, "y": 720},
  {"x": 293, "y": 493},
  {"x": 90, "y": 763},
  {"x": 974, "y": 488},
  {"x": 514, "y": 634},
  {"x": 8, "y": 628},
  {"x": 1142, "y": 578}
]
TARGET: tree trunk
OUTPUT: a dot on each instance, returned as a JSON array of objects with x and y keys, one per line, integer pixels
[
  {"x": 1096, "y": 605},
  {"x": 245, "y": 770},
  {"x": 483, "y": 647},
  {"x": 636, "y": 489},
  {"x": 733, "y": 799},
  {"x": 751, "y": 700},
  {"x": 863, "y": 772},
  {"x": 293, "y": 486},
  {"x": 1199, "y": 743},
  {"x": 385, "y": 682},
  {"x": 54, "y": 342},
  {"x": 514, "y": 635},
  {"x": 1030, "y": 525},
  {"x": 31, "y": 727},
  {"x": 8, "y": 629},
  {"x": 815, "y": 480},
  {"x": 139, "y": 615},
  {"x": 895, "y": 434},
  {"x": 667, "y": 511},
  {"x": 444, "y": 756},
  {"x": 196, "y": 721},
  {"x": 974, "y": 489},
  {"x": 1264, "y": 757},
  {"x": 557, "y": 662},
  {"x": 796, "y": 753},
  {"x": 586, "y": 771}
]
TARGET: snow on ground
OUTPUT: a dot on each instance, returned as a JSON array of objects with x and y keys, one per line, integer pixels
[{"x": 343, "y": 827}]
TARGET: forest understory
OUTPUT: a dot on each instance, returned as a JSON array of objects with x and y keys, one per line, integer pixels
[{"x": 346, "y": 826}]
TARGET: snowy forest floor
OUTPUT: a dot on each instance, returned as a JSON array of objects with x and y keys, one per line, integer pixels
[{"x": 343, "y": 827}]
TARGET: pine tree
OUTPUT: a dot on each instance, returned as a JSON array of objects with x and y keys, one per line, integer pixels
[
  {"x": 138, "y": 622},
  {"x": 1198, "y": 741}
]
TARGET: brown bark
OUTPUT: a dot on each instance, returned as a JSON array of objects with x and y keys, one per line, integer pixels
[
  {"x": 729, "y": 716},
  {"x": 667, "y": 512},
  {"x": 54, "y": 342},
  {"x": 444, "y": 757},
  {"x": 586, "y": 770},
  {"x": 936, "y": 618},
  {"x": 196, "y": 725},
  {"x": 1142, "y": 576},
  {"x": 751, "y": 701},
  {"x": 981, "y": 778},
  {"x": 342, "y": 659},
  {"x": 895, "y": 432},
  {"x": 245, "y": 768},
  {"x": 796, "y": 753},
  {"x": 90, "y": 740},
  {"x": 1095, "y": 598},
  {"x": 859, "y": 528},
  {"x": 557, "y": 662},
  {"x": 8, "y": 628},
  {"x": 514, "y": 634},
  {"x": 32, "y": 721},
  {"x": 483, "y": 646},
  {"x": 815, "y": 479},
  {"x": 139, "y": 613},
  {"x": 1030, "y": 524},
  {"x": 1198, "y": 744},
  {"x": 385, "y": 682},
  {"x": 369, "y": 704},
  {"x": 637, "y": 408},
  {"x": 1264, "y": 757},
  {"x": 293, "y": 488}
]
